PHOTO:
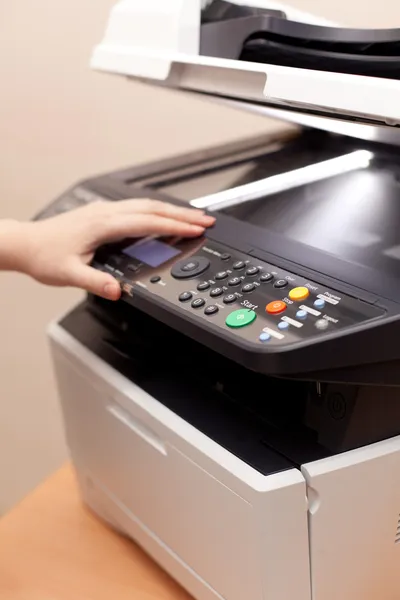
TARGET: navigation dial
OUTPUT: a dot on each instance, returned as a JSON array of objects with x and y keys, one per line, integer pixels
[{"x": 190, "y": 267}]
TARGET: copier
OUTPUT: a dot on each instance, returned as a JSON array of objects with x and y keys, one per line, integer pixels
[{"x": 237, "y": 412}]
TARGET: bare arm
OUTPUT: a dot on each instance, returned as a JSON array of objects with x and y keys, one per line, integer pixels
[
  {"x": 58, "y": 251},
  {"x": 13, "y": 245}
]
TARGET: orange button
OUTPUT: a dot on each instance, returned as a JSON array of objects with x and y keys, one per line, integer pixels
[
  {"x": 276, "y": 307},
  {"x": 299, "y": 293}
]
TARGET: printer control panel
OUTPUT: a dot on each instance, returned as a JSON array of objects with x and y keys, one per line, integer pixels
[{"x": 257, "y": 301}]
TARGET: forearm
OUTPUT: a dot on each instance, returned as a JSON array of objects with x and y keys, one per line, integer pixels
[{"x": 13, "y": 245}]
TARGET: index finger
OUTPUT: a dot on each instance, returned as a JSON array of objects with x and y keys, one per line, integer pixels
[
  {"x": 137, "y": 226},
  {"x": 166, "y": 209}
]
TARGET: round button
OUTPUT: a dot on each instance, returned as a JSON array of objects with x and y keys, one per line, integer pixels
[
  {"x": 198, "y": 303},
  {"x": 216, "y": 292},
  {"x": 211, "y": 310},
  {"x": 337, "y": 406},
  {"x": 238, "y": 265},
  {"x": 299, "y": 293},
  {"x": 240, "y": 318},
  {"x": 155, "y": 279},
  {"x": 234, "y": 281},
  {"x": 225, "y": 256},
  {"x": 229, "y": 299},
  {"x": 319, "y": 303},
  {"x": 266, "y": 277},
  {"x": 321, "y": 324},
  {"x": 185, "y": 297},
  {"x": 275, "y": 307},
  {"x": 283, "y": 326},
  {"x": 249, "y": 287},
  {"x": 301, "y": 314},
  {"x": 203, "y": 286},
  {"x": 221, "y": 275},
  {"x": 251, "y": 271},
  {"x": 281, "y": 283},
  {"x": 264, "y": 337},
  {"x": 190, "y": 266}
]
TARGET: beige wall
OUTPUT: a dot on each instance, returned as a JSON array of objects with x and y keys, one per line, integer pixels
[{"x": 60, "y": 122}]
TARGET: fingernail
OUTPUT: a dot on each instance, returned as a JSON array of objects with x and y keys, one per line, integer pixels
[
  {"x": 197, "y": 229},
  {"x": 110, "y": 290}
]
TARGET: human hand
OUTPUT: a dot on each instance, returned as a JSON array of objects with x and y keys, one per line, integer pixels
[{"x": 59, "y": 249}]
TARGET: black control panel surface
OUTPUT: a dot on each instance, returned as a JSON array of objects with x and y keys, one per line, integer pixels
[
  {"x": 248, "y": 304},
  {"x": 272, "y": 286}
]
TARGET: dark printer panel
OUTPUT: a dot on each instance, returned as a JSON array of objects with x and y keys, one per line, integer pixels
[
  {"x": 280, "y": 303},
  {"x": 270, "y": 423},
  {"x": 262, "y": 316}
]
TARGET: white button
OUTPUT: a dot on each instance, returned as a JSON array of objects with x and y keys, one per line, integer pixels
[{"x": 321, "y": 324}]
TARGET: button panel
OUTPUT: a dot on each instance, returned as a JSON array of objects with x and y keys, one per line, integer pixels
[{"x": 255, "y": 301}]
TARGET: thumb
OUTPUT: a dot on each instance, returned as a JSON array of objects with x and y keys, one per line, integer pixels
[{"x": 95, "y": 282}]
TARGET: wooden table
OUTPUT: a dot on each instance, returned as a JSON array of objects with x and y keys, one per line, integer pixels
[{"x": 52, "y": 548}]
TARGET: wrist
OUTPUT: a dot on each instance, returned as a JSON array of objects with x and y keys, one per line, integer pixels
[{"x": 14, "y": 242}]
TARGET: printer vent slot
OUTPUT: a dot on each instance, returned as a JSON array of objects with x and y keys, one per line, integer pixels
[{"x": 397, "y": 537}]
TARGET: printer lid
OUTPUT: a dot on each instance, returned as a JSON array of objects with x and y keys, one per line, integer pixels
[{"x": 260, "y": 53}]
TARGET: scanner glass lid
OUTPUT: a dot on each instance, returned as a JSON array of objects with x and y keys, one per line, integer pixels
[
  {"x": 340, "y": 197},
  {"x": 288, "y": 155},
  {"x": 348, "y": 207}
]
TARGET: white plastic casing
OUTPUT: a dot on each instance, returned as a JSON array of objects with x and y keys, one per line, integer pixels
[
  {"x": 158, "y": 40},
  {"x": 224, "y": 531}
]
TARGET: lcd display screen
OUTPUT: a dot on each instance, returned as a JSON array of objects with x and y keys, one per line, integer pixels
[{"x": 151, "y": 252}]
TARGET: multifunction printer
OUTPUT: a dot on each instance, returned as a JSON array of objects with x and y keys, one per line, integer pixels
[{"x": 237, "y": 411}]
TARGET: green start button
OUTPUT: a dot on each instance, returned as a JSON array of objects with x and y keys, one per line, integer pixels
[{"x": 241, "y": 318}]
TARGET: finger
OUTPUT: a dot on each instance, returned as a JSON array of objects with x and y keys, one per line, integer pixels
[
  {"x": 95, "y": 282},
  {"x": 137, "y": 225},
  {"x": 166, "y": 209}
]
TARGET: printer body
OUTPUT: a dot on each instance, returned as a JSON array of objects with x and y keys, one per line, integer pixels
[{"x": 237, "y": 411}]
